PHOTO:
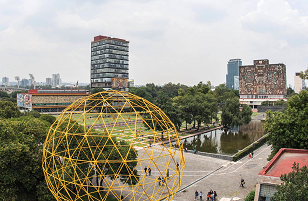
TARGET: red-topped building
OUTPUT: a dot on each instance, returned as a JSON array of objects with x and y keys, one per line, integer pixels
[{"x": 281, "y": 163}]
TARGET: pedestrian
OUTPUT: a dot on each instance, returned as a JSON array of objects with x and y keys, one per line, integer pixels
[
  {"x": 150, "y": 171},
  {"x": 177, "y": 165},
  {"x": 195, "y": 150},
  {"x": 200, "y": 194},
  {"x": 159, "y": 180},
  {"x": 185, "y": 149},
  {"x": 252, "y": 154},
  {"x": 249, "y": 155},
  {"x": 196, "y": 194},
  {"x": 215, "y": 195},
  {"x": 167, "y": 172},
  {"x": 145, "y": 171},
  {"x": 242, "y": 183},
  {"x": 208, "y": 195}
]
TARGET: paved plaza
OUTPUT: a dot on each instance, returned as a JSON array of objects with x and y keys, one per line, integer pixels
[{"x": 203, "y": 173}]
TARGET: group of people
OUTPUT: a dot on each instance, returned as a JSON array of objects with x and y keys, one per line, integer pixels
[{"x": 211, "y": 195}]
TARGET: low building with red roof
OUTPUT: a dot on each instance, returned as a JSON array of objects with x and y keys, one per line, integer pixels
[{"x": 281, "y": 163}]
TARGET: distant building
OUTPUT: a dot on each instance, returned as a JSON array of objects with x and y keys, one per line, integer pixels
[
  {"x": 5, "y": 81},
  {"x": 109, "y": 63},
  {"x": 25, "y": 82},
  {"x": 49, "y": 101},
  {"x": 131, "y": 83},
  {"x": 299, "y": 83},
  {"x": 48, "y": 81},
  {"x": 233, "y": 70},
  {"x": 262, "y": 82},
  {"x": 55, "y": 80},
  {"x": 281, "y": 163}
]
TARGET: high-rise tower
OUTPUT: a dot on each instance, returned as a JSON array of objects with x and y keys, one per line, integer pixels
[
  {"x": 233, "y": 66},
  {"x": 109, "y": 63}
]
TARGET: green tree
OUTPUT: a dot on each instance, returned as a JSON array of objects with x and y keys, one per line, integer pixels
[
  {"x": 246, "y": 114},
  {"x": 9, "y": 110},
  {"x": 294, "y": 185},
  {"x": 290, "y": 92},
  {"x": 304, "y": 74},
  {"x": 21, "y": 172},
  {"x": 265, "y": 103},
  {"x": 250, "y": 196},
  {"x": 289, "y": 129},
  {"x": 3, "y": 94},
  {"x": 48, "y": 118},
  {"x": 232, "y": 115},
  {"x": 223, "y": 93}
]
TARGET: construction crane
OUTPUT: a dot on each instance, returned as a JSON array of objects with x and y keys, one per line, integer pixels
[
  {"x": 33, "y": 80},
  {"x": 17, "y": 78}
]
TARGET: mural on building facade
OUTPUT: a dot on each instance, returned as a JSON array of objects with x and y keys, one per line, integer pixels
[{"x": 263, "y": 78}]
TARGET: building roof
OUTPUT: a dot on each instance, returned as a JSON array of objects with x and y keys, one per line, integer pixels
[
  {"x": 99, "y": 38},
  {"x": 283, "y": 161},
  {"x": 58, "y": 92}
]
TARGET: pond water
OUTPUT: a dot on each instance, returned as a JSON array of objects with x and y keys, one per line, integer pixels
[{"x": 225, "y": 142}]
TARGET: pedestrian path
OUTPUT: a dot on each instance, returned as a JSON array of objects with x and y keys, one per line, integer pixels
[{"x": 221, "y": 175}]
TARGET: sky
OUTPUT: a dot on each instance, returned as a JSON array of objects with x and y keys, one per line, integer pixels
[{"x": 178, "y": 41}]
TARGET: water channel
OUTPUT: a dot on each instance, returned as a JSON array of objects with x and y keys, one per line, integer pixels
[{"x": 225, "y": 142}]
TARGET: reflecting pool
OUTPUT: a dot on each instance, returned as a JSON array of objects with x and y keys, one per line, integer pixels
[{"x": 225, "y": 142}]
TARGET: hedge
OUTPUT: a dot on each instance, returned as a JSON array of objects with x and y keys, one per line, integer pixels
[{"x": 244, "y": 152}]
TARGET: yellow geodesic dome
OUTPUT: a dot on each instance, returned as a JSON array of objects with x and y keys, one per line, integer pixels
[{"x": 113, "y": 143}]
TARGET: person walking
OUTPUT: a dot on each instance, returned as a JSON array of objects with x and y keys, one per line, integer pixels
[
  {"x": 150, "y": 171},
  {"x": 252, "y": 154},
  {"x": 200, "y": 194},
  {"x": 145, "y": 171},
  {"x": 242, "y": 183},
  {"x": 167, "y": 172},
  {"x": 159, "y": 180},
  {"x": 196, "y": 194},
  {"x": 215, "y": 195}
]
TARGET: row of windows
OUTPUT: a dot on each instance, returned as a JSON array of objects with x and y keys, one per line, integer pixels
[
  {"x": 97, "y": 66},
  {"x": 102, "y": 75},
  {"x": 112, "y": 56},
  {"x": 36, "y": 104},
  {"x": 262, "y": 96},
  {"x": 101, "y": 80},
  {"x": 110, "y": 61},
  {"x": 115, "y": 42},
  {"x": 103, "y": 47},
  {"x": 109, "y": 51},
  {"x": 111, "y": 70}
]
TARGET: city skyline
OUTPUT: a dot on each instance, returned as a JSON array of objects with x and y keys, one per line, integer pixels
[{"x": 175, "y": 41}]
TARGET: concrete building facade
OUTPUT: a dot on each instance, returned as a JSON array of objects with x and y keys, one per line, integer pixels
[
  {"x": 299, "y": 83},
  {"x": 109, "y": 63},
  {"x": 232, "y": 72},
  {"x": 262, "y": 82}
]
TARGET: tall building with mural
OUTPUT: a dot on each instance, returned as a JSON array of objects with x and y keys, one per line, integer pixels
[
  {"x": 262, "y": 82},
  {"x": 232, "y": 81},
  {"x": 109, "y": 63}
]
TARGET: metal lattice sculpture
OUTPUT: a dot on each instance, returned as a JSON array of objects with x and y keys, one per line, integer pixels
[{"x": 116, "y": 144}]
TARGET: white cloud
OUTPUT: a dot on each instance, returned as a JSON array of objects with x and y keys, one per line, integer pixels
[{"x": 177, "y": 40}]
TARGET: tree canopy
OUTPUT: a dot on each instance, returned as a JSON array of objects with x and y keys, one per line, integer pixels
[
  {"x": 294, "y": 185},
  {"x": 289, "y": 129},
  {"x": 232, "y": 115}
]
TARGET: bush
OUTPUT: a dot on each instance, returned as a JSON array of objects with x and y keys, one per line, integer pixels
[{"x": 250, "y": 196}]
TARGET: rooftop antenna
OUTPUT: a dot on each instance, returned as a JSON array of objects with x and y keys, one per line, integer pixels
[
  {"x": 17, "y": 78},
  {"x": 33, "y": 80}
]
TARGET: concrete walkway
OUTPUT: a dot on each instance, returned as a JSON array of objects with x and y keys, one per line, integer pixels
[{"x": 203, "y": 173}]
